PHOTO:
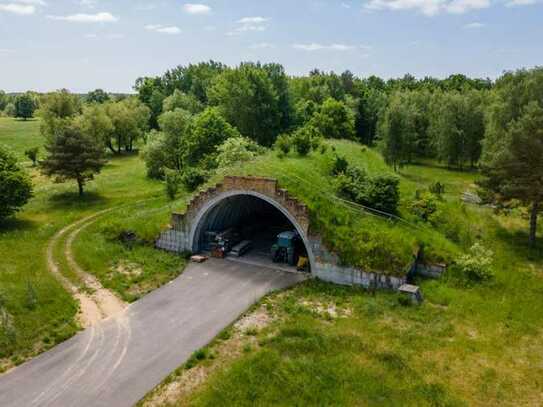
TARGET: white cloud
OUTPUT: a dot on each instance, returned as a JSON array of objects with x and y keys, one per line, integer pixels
[
  {"x": 249, "y": 24},
  {"x": 196, "y": 8},
  {"x": 20, "y": 9},
  {"x": 519, "y": 3},
  {"x": 163, "y": 29},
  {"x": 6, "y": 51},
  {"x": 319, "y": 47},
  {"x": 253, "y": 20},
  {"x": 429, "y": 7},
  {"x": 262, "y": 45},
  {"x": 474, "y": 25},
  {"x": 463, "y": 6},
  {"x": 103, "y": 17}
]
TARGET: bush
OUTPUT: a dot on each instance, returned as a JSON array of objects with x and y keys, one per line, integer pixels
[
  {"x": 172, "y": 183},
  {"x": 15, "y": 185},
  {"x": 380, "y": 192},
  {"x": 192, "y": 178},
  {"x": 236, "y": 150},
  {"x": 302, "y": 140},
  {"x": 475, "y": 266},
  {"x": 283, "y": 144},
  {"x": 156, "y": 154},
  {"x": 32, "y": 154},
  {"x": 423, "y": 206},
  {"x": 383, "y": 193},
  {"x": 437, "y": 188},
  {"x": 10, "y": 110},
  {"x": 340, "y": 165},
  {"x": 306, "y": 139}
]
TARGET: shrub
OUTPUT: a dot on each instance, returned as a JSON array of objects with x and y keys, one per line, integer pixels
[
  {"x": 32, "y": 154},
  {"x": 193, "y": 177},
  {"x": 172, "y": 183},
  {"x": 157, "y": 154},
  {"x": 302, "y": 140},
  {"x": 380, "y": 192},
  {"x": 383, "y": 193},
  {"x": 475, "y": 266},
  {"x": 10, "y": 110},
  {"x": 340, "y": 165},
  {"x": 423, "y": 206},
  {"x": 236, "y": 150},
  {"x": 437, "y": 188},
  {"x": 283, "y": 144},
  {"x": 15, "y": 185}
]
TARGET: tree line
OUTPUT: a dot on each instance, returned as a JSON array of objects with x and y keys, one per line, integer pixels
[
  {"x": 494, "y": 126},
  {"x": 185, "y": 118}
]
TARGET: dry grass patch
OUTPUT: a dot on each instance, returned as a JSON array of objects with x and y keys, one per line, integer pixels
[{"x": 234, "y": 342}]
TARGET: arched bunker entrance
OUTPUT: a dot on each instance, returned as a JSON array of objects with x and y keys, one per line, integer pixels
[
  {"x": 254, "y": 209},
  {"x": 254, "y": 218},
  {"x": 258, "y": 209}
]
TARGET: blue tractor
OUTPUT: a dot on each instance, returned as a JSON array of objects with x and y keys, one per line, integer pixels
[{"x": 285, "y": 250}]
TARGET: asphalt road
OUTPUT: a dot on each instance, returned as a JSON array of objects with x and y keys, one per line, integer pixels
[{"x": 117, "y": 361}]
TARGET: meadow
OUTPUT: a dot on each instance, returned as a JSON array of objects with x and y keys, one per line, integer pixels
[
  {"x": 39, "y": 311},
  {"x": 467, "y": 344},
  {"x": 478, "y": 344}
]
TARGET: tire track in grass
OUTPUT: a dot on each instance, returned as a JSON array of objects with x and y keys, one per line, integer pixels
[
  {"x": 89, "y": 312},
  {"x": 96, "y": 302},
  {"x": 107, "y": 302}
]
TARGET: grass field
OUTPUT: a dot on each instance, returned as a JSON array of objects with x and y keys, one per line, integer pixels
[
  {"x": 321, "y": 344},
  {"x": 20, "y": 135},
  {"x": 40, "y": 313},
  {"x": 326, "y": 345}
]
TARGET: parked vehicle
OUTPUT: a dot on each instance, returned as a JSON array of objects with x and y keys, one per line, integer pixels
[{"x": 284, "y": 251}]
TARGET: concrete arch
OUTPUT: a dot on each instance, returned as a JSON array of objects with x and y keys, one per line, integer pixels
[{"x": 199, "y": 218}]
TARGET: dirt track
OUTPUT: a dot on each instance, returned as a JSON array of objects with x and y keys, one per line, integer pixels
[{"x": 96, "y": 302}]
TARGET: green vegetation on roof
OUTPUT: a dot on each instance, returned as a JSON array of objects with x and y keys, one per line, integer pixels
[{"x": 360, "y": 238}]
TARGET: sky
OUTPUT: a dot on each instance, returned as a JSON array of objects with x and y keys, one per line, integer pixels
[{"x": 82, "y": 45}]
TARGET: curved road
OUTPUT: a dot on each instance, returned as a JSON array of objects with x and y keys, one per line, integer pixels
[{"x": 118, "y": 360}]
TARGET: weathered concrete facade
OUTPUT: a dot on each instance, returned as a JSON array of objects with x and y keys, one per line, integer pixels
[{"x": 185, "y": 229}]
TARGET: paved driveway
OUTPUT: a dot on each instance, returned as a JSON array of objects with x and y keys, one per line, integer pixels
[{"x": 116, "y": 362}]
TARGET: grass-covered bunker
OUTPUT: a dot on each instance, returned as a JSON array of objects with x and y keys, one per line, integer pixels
[{"x": 262, "y": 209}]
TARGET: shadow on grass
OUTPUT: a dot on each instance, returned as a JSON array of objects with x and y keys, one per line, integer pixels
[
  {"x": 16, "y": 224},
  {"x": 72, "y": 200},
  {"x": 441, "y": 166},
  {"x": 517, "y": 241}
]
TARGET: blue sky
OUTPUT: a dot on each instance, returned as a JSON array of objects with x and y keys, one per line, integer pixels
[{"x": 86, "y": 44}]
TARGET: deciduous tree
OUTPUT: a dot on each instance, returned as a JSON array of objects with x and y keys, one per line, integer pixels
[
  {"x": 25, "y": 105},
  {"x": 15, "y": 185}
]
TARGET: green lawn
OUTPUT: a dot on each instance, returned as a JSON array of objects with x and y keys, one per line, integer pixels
[
  {"x": 479, "y": 345},
  {"x": 40, "y": 313},
  {"x": 20, "y": 136}
]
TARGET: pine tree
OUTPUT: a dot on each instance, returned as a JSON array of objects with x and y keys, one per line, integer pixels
[{"x": 73, "y": 154}]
